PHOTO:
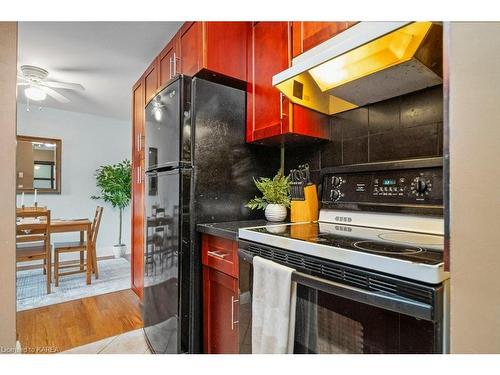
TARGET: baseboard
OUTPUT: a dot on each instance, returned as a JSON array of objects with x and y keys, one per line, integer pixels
[{"x": 65, "y": 262}]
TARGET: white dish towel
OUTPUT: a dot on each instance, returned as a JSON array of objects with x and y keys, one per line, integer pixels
[{"x": 273, "y": 308}]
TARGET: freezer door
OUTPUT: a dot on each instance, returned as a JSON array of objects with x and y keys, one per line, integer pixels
[
  {"x": 163, "y": 136},
  {"x": 161, "y": 261}
]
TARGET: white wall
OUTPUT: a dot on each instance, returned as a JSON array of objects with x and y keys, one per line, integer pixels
[
  {"x": 474, "y": 133},
  {"x": 88, "y": 141}
]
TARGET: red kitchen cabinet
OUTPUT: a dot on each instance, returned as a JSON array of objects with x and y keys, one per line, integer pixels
[
  {"x": 151, "y": 81},
  {"x": 169, "y": 61},
  {"x": 190, "y": 46},
  {"x": 270, "y": 116},
  {"x": 307, "y": 35},
  {"x": 217, "y": 48},
  {"x": 220, "y": 295},
  {"x": 137, "y": 249},
  {"x": 221, "y": 254},
  {"x": 220, "y": 311}
]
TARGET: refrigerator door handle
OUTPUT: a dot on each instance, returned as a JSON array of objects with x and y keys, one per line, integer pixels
[{"x": 169, "y": 167}]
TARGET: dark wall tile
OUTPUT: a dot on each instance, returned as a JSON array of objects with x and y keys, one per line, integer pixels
[
  {"x": 410, "y": 126},
  {"x": 384, "y": 116},
  {"x": 415, "y": 142},
  {"x": 335, "y": 130},
  {"x": 354, "y": 123},
  {"x": 422, "y": 107},
  {"x": 355, "y": 150},
  {"x": 315, "y": 177},
  {"x": 295, "y": 156},
  {"x": 331, "y": 154}
]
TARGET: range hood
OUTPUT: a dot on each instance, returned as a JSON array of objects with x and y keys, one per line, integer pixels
[{"x": 367, "y": 63}]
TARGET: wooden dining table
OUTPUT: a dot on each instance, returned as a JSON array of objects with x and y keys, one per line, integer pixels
[
  {"x": 83, "y": 226},
  {"x": 79, "y": 225}
]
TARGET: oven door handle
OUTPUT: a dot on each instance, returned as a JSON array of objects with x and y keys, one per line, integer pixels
[{"x": 382, "y": 300}]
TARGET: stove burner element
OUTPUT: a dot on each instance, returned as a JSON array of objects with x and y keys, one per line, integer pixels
[{"x": 382, "y": 248}]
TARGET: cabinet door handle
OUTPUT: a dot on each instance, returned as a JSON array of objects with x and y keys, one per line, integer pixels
[
  {"x": 281, "y": 107},
  {"x": 233, "y": 322},
  {"x": 175, "y": 64},
  {"x": 139, "y": 175},
  {"x": 170, "y": 65},
  {"x": 217, "y": 254}
]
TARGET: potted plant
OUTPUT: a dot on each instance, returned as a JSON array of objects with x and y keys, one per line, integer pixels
[
  {"x": 114, "y": 181},
  {"x": 275, "y": 196}
]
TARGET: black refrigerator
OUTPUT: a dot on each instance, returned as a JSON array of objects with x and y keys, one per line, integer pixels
[{"x": 198, "y": 170}]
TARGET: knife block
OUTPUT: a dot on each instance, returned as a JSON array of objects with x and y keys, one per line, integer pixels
[{"x": 305, "y": 210}]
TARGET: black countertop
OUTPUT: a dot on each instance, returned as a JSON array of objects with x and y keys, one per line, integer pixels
[{"x": 228, "y": 229}]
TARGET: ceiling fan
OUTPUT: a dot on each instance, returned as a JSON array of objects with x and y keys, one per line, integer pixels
[{"x": 38, "y": 87}]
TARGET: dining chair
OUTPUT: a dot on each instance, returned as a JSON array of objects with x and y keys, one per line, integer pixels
[
  {"x": 80, "y": 247},
  {"x": 33, "y": 239}
]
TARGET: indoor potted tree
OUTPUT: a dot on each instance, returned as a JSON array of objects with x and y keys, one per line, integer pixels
[
  {"x": 275, "y": 196},
  {"x": 114, "y": 181}
]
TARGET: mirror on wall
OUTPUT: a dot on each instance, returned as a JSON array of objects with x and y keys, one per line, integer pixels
[{"x": 38, "y": 164}]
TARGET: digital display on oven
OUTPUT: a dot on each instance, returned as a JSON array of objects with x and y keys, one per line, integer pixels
[{"x": 388, "y": 182}]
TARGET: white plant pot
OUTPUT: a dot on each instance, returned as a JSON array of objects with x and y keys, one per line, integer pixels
[
  {"x": 119, "y": 250},
  {"x": 275, "y": 212}
]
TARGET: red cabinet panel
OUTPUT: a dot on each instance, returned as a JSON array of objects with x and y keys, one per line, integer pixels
[
  {"x": 216, "y": 47},
  {"x": 191, "y": 48},
  {"x": 269, "y": 53},
  {"x": 220, "y": 254},
  {"x": 151, "y": 81},
  {"x": 270, "y": 116},
  {"x": 225, "y": 48},
  {"x": 307, "y": 35},
  {"x": 220, "y": 312},
  {"x": 169, "y": 61},
  {"x": 310, "y": 123},
  {"x": 137, "y": 249}
]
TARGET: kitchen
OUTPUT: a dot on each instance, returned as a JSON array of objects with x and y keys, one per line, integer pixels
[
  {"x": 370, "y": 140},
  {"x": 315, "y": 164}
]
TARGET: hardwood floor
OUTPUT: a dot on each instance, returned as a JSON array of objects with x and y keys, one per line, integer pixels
[{"x": 59, "y": 327}]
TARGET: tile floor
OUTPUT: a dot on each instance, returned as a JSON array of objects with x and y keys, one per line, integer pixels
[{"x": 132, "y": 342}]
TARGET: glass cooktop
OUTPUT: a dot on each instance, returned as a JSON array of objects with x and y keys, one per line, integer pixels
[{"x": 409, "y": 246}]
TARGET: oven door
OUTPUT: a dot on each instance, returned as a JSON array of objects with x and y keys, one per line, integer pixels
[{"x": 332, "y": 317}]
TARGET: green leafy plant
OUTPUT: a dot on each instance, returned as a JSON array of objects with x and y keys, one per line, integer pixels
[
  {"x": 115, "y": 182},
  {"x": 274, "y": 190}
]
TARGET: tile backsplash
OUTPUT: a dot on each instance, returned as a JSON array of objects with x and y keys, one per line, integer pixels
[{"x": 405, "y": 127}]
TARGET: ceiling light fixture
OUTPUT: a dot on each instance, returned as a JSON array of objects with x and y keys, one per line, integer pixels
[{"x": 35, "y": 93}]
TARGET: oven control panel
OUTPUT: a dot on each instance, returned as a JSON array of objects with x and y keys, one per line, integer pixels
[{"x": 392, "y": 187}]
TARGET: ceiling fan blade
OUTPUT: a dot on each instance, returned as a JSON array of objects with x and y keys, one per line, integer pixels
[
  {"x": 64, "y": 85},
  {"x": 55, "y": 94}
]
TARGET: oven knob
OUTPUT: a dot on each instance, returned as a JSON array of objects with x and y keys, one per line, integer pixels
[
  {"x": 334, "y": 195},
  {"x": 420, "y": 185},
  {"x": 336, "y": 181}
]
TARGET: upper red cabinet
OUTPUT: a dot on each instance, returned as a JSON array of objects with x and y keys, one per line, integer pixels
[
  {"x": 268, "y": 54},
  {"x": 206, "y": 49},
  {"x": 270, "y": 116},
  {"x": 307, "y": 35},
  {"x": 168, "y": 61},
  {"x": 151, "y": 80}
]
